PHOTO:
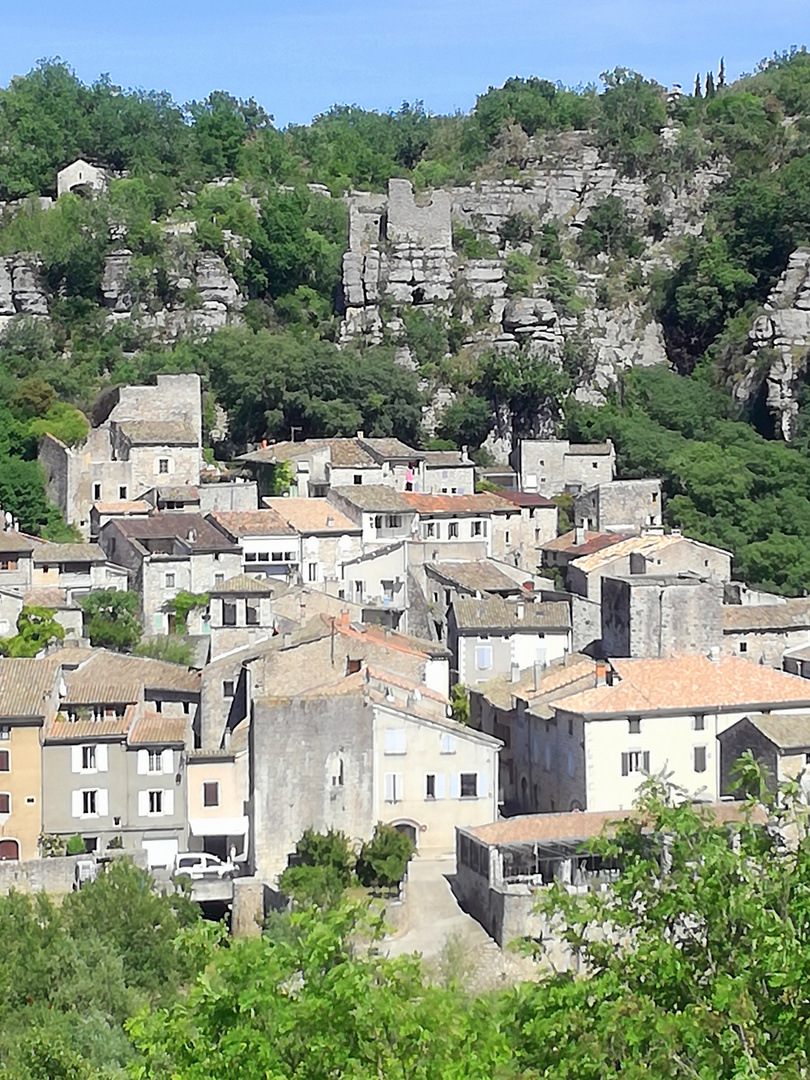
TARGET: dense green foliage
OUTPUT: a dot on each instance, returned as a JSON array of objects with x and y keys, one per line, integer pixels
[
  {"x": 36, "y": 629},
  {"x": 383, "y": 859},
  {"x": 110, "y": 619}
]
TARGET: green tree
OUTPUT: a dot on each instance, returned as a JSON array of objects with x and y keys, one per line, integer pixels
[
  {"x": 524, "y": 384},
  {"x": 383, "y": 860},
  {"x": 633, "y": 112},
  {"x": 323, "y": 869},
  {"x": 608, "y": 229},
  {"x": 109, "y": 619},
  {"x": 36, "y": 629}
]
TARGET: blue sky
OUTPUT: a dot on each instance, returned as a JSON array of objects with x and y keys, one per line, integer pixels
[{"x": 297, "y": 59}]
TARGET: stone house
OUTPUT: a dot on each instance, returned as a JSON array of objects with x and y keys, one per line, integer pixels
[
  {"x": 623, "y": 506},
  {"x": 16, "y": 561},
  {"x": 780, "y": 743},
  {"x": 655, "y": 615},
  {"x": 102, "y": 512},
  {"x": 168, "y": 553},
  {"x": 113, "y": 754},
  {"x": 765, "y": 632},
  {"x": 321, "y": 464},
  {"x": 448, "y": 472},
  {"x": 559, "y": 552},
  {"x": 488, "y": 519},
  {"x": 445, "y": 581},
  {"x": 142, "y": 436},
  {"x": 513, "y": 708},
  {"x": 378, "y": 582},
  {"x": 77, "y": 569},
  {"x": 81, "y": 178},
  {"x": 542, "y": 519},
  {"x": 218, "y": 798},
  {"x": 384, "y": 514},
  {"x": 29, "y": 699},
  {"x": 650, "y": 553},
  {"x": 374, "y": 746},
  {"x": 327, "y": 537},
  {"x": 649, "y": 716},
  {"x": 551, "y": 466},
  {"x": 489, "y": 637},
  {"x": 240, "y": 612},
  {"x": 270, "y": 545}
]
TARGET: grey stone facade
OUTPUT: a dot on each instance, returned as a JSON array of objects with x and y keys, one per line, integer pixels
[
  {"x": 659, "y": 616},
  {"x": 623, "y": 506}
]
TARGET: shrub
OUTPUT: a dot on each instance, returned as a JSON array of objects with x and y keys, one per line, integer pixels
[
  {"x": 75, "y": 845},
  {"x": 521, "y": 274},
  {"x": 383, "y": 859}
]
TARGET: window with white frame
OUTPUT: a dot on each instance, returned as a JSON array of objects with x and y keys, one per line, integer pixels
[
  {"x": 469, "y": 785},
  {"x": 170, "y": 581},
  {"x": 155, "y": 760},
  {"x": 155, "y": 801},
  {"x": 228, "y": 688},
  {"x": 395, "y": 741},
  {"x": 452, "y": 531},
  {"x": 312, "y": 571},
  {"x": 88, "y": 758},
  {"x": 448, "y": 744},
  {"x": 635, "y": 761},
  {"x": 394, "y": 787},
  {"x": 90, "y": 802},
  {"x": 483, "y": 657},
  {"x": 163, "y": 465}
]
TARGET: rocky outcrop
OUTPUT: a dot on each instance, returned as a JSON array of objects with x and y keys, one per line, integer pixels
[
  {"x": 21, "y": 290},
  {"x": 780, "y": 343}
]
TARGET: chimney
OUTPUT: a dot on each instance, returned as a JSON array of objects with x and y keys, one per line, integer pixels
[
  {"x": 601, "y": 673},
  {"x": 520, "y": 610},
  {"x": 287, "y": 639},
  {"x": 580, "y": 535},
  {"x": 465, "y": 453},
  {"x": 343, "y": 618},
  {"x": 538, "y": 676},
  {"x": 361, "y": 434},
  {"x": 515, "y": 673},
  {"x": 714, "y": 654},
  {"x": 330, "y": 521}
]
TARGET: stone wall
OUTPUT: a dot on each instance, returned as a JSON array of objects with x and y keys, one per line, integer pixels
[
  {"x": 53, "y": 876},
  {"x": 657, "y": 617}
]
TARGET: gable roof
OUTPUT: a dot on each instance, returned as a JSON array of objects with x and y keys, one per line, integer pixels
[
  {"x": 179, "y": 527},
  {"x": 785, "y": 732},
  {"x": 26, "y": 685},
  {"x": 54, "y": 553},
  {"x": 485, "y": 503},
  {"x": 793, "y": 615},
  {"x": 593, "y": 541},
  {"x": 687, "y": 683},
  {"x": 477, "y": 575},
  {"x": 495, "y": 613},
  {"x": 154, "y": 729},
  {"x": 15, "y": 542},
  {"x": 158, "y": 432},
  {"x": 243, "y": 585},
  {"x": 387, "y": 449},
  {"x": 435, "y": 459},
  {"x": 343, "y": 453},
  {"x": 114, "y": 678},
  {"x": 238, "y": 523},
  {"x": 374, "y": 497},
  {"x": 646, "y": 545}
]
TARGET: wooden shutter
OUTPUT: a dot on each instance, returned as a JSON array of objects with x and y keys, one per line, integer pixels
[
  {"x": 645, "y": 761},
  {"x": 168, "y": 800},
  {"x": 102, "y": 802},
  {"x": 76, "y": 758},
  {"x": 76, "y": 803},
  {"x": 102, "y": 757},
  {"x": 455, "y": 786},
  {"x": 143, "y": 799},
  {"x": 143, "y": 762},
  {"x": 389, "y": 787},
  {"x": 168, "y": 761},
  {"x": 439, "y": 786},
  {"x": 482, "y": 785},
  {"x": 625, "y": 764},
  {"x": 399, "y": 787}
]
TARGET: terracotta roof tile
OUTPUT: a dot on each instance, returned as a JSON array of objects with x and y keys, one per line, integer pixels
[
  {"x": 158, "y": 432},
  {"x": 108, "y": 678},
  {"x": 15, "y": 542},
  {"x": 47, "y": 596},
  {"x": 786, "y": 732},
  {"x": 436, "y": 459},
  {"x": 594, "y": 541},
  {"x": 153, "y": 728},
  {"x": 477, "y": 575},
  {"x": 122, "y": 507},
  {"x": 312, "y": 516},
  {"x": 688, "y": 682},
  {"x": 179, "y": 527},
  {"x": 60, "y": 729},
  {"x": 794, "y": 615},
  {"x": 385, "y": 449},
  {"x": 243, "y": 584},
  {"x": 589, "y": 449},
  {"x": 495, "y": 613},
  {"x": 53, "y": 553},
  {"x": 239, "y": 523},
  {"x": 26, "y": 685},
  {"x": 375, "y": 497},
  {"x": 485, "y": 503}
]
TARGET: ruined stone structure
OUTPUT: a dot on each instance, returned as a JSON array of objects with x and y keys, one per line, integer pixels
[{"x": 81, "y": 178}]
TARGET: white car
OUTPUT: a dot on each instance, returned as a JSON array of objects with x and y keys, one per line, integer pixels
[{"x": 199, "y": 864}]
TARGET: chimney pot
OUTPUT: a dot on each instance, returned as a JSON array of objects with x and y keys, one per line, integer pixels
[
  {"x": 538, "y": 675},
  {"x": 361, "y": 434},
  {"x": 515, "y": 673},
  {"x": 601, "y": 673},
  {"x": 520, "y": 610}
]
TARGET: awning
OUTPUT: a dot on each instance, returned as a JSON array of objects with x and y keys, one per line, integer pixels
[{"x": 219, "y": 826}]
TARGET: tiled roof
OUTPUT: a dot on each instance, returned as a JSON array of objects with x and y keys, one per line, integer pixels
[
  {"x": 14, "y": 542},
  {"x": 786, "y": 732},
  {"x": 123, "y": 506},
  {"x": 343, "y": 453},
  {"x": 477, "y": 575},
  {"x": 579, "y": 826},
  {"x": 61, "y": 729},
  {"x": 179, "y": 493},
  {"x": 689, "y": 683},
  {"x": 312, "y": 516},
  {"x": 648, "y": 546},
  {"x": 486, "y": 503},
  {"x": 26, "y": 686},
  {"x": 110, "y": 678},
  {"x": 558, "y": 678},
  {"x": 153, "y": 728},
  {"x": 379, "y": 635},
  {"x": 589, "y": 449},
  {"x": 436, "y": 459},
  {"x": 375, "y": 497},
  {"x": 54, "y": 553},
  {"x": 252, "y": 522},
  {"x": 594, "y": 541},
  {"x": 525, "y": 498},
  {"x": 47, "y": 596},
  {"x": 495, "y": 613},
  {"x": 158, "y": 432},
  {"x": 346, "y": 684},
  {"x": 384, "y": 449},
  {"x": 794, "y": 615},
  {"x": 180, "y": 527},
  {"x": 241, "y": 585}
]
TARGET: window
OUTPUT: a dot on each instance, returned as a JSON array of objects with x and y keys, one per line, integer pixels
[
  {"x": 96, "y": 492},
  {"x": 170, "y": 581},
  {"x": 278, "y": 556},
  {"x": 5, "y": 761},
  {"x": 506, "y": 537},
  {"x": 699, "y": 755},
  {"x": 570, "y": 725},
  {"x": 358, "y": 478},
  {"x": 250, "y": 556},
  {"x": 312, "y": 571},
  {"x": 211, "y": 793},
  {"x": 88, "y": 759},
  {"x": 635, "y": 761},
  {"x": 699, "y": 723},
  {"x": 155, "y": 761},
  {"x": 395, "y": 741},
  {"x": 394, "y": 788},
  {"x": 264, "y": 556},
  {"x": 469, "y": 785},
  {"x": 430, "y": 786},
  {"x": 89, "y": 802},
  {"x": 229, "y": 613},
  {"x": 483, "y": 657},
  {"x": 393, "y": 521},
  {"x": 5, "y": 802},
  {"x": 452, "y": 531},
  {"x": 595, "y": 464},
  {"x": 122, "y": 491},
  {"x": 219, "y": 579},
  {"x": 448, "y": 744},
  {"x": 163, "y": 465},
  {"x": 155, "y": 802},
  {"x": 634, "y": 727},
  {"x": 289, "y": 556},
  {"x": 743, "y": 646},
  {"x": 476, "y": 528},
  {"x": 5, "y": 732},
  {"x": 430, "y": 529},
  {"x": 8, "y": 564},
  {"x": 227, "y": 688},
  {"x": 252, "y": 612}
]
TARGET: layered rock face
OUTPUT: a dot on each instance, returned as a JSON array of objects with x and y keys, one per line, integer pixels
[
  {"x": 780, "y": 343},
  {"x": 21, "y": 289},
  {"x": 400, "y": 253}
]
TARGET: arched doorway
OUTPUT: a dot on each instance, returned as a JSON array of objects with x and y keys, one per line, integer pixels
[
  {"x": 409, "y": 829},
  {"x": 9, "y": 850}
]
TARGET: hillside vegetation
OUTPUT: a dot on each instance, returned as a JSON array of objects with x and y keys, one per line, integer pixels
[{"x": 282, "y": 241}]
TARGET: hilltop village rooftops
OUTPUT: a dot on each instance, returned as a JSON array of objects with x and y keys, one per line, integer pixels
[
  {"x": 591, "y": 542},
  {"x": 686, "y": 684},
  {"x": 312, "y": 516},
  {"x": 354, "y": 453},
  {"x": 375, "y": 498},
  {"x": 15, "y": 543},
  {"x": 108, "y": 678},
  {"x": 458, "y": 505},
  {"x": 559, "y": 679},
  {"x": 447, "y": 459},
  {"x": 243, "y": 585},
  {"x": 267, "y": 522},
  {"x": 476, "y": 575},
  {"x": 75, "y": 553},
  {"x": 741, "y": 618},
  {"x": 646, "y": 545},
  {"x": 191, "y": 532},
  {"x": 158, "y": 432},
  {"x": 26, "y": 686},
  {"x": 498, "y": 615}
]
